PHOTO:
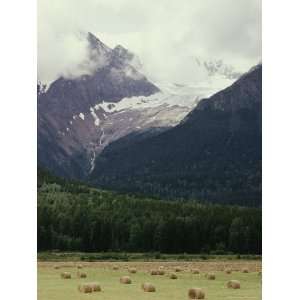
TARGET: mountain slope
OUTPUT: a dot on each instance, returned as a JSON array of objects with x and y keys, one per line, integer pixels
[
  {"x": 213, "y": 155},
  {"x": 67, "y": 120}
]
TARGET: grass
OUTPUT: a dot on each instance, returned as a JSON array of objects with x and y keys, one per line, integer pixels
[{"x": 52, "y": 287}]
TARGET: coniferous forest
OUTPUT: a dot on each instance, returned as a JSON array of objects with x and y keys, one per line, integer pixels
[{"x": 75, "y": 217}]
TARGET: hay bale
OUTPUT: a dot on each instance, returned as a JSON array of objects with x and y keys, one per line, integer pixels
[
  {"x": 85, "y": 288},
  {"x": 160, "y": 272},
  {"x": 161, "y": 267},
  {"x": 195, "y": 271},
  {"x": 65, "y": 275},
  {"x": 228, "y": 271},
  {"x": 95, "y": 286},
  {"x": 81, "y": 275},
  {"x": 211, "y": 276},
  {"x": 196, "y": 293},
  {"x": 245, "y": 270},
  {"x": 234, "y": 284},
  {"x": 148, "y": 287},
  {"x": 79, "y": 266},
  {"x": 115, "y": 268},
  {"x": 173, "y": 276},
  {"x": 56, "y": 267},
  {"x": 125, "y": 280},
  {"x": 132, "y": 270},
  {"x": 178, "y": 269},
  {"x": 154, "y": 272}
]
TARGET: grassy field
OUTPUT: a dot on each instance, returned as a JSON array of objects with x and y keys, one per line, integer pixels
[{"x": 52, "y": 287}]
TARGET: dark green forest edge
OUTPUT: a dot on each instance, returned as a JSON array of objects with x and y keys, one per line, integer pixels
[
  {"x": 145, "y": 256},
  {"x": 73, "y": 217}
]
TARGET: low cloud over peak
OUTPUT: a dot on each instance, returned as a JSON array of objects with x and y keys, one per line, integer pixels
[{"x": 167, "y": 35}]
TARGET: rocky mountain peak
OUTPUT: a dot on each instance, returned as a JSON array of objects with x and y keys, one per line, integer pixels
[
  {"x": 126, "y": 56},
  {"x": 95, "y": 43},
  {"x": 71, "y": 121}
]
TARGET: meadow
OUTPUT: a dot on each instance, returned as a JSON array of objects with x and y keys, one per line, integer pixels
[{"x": 52, "y": 287}]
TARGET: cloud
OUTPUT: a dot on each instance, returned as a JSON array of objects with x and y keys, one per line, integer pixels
[
  {"x": 60, "y": 50},
  {"x": 167, "y": 35}
]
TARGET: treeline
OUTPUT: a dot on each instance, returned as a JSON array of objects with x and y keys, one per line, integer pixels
[{"x": 75, "y": 217}]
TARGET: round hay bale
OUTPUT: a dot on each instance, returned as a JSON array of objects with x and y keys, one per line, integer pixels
[
  {"x": 65, "y": 275},
  {"x": 195, "y": 271},
  {"x": 196, "y": 293},
  {"x": 148, "y": 287},
  {"x": 178, "y": 269},
  {"x": 132, "y": 270},
  {"x": 115, "y": 268},
  {"x": 234, "y": 284},
  {"x": 81, "y": 275},
  {"x": 79, "y": 266},
  {"x": 161, "y": 267},
  {"x": 245, "y": 270},
  {"x": 228, "y": 271},
  {"x": 154, "y": 272},
  {"x": 125, "y": 280},
  {"x": 173, "y": 276},
  {"x": 85, "y": 288},
  {"x": 160, "y": 272},
  {"x": 211, "y": 276},
  {"x": 95, "y": 286}
]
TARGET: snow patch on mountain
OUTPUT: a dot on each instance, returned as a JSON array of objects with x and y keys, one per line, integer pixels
[
  {"x": 95, "y": 116},
  {"x": 142, "y": 102},
  {"x": 171, "y": 94}
]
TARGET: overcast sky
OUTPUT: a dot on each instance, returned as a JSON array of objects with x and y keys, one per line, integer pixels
[{"x": 167, "y": 35}]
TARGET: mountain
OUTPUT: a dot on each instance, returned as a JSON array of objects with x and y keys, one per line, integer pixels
[
  {"x": 68, "y": 123},
  {"x": 79, "y": 116},
  {"x": 214, "y": 154}
]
